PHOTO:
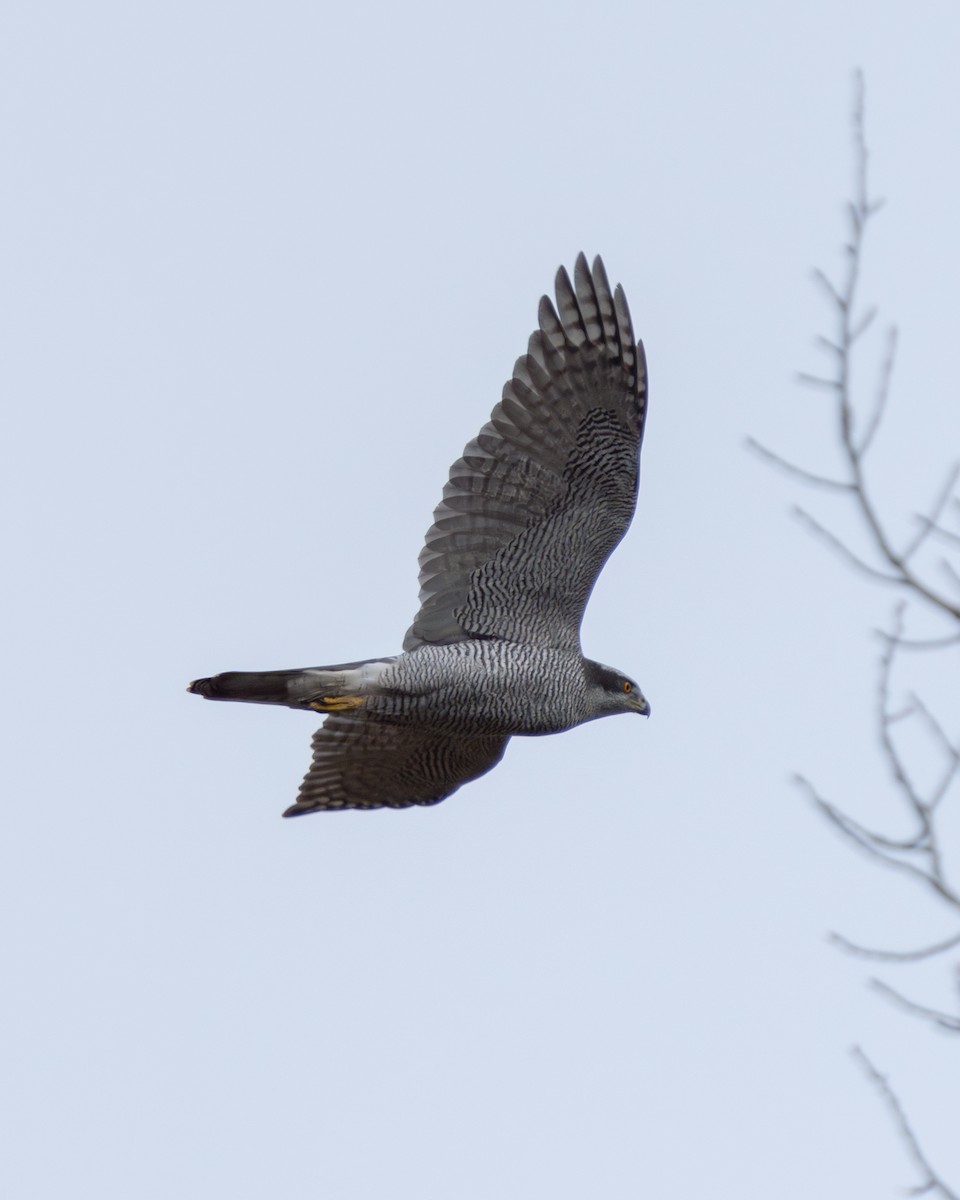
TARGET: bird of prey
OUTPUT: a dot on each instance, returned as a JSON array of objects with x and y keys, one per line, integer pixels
[{"x": 529, "y": 516}]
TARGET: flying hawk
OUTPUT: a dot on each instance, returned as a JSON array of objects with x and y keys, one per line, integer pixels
[{"x": 530, "y": 514}]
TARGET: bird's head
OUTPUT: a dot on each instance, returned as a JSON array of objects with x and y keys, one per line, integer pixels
[{"x": 610, "y": 691}]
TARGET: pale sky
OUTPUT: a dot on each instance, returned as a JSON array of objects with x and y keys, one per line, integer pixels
[{"x": 265, "y": 269}]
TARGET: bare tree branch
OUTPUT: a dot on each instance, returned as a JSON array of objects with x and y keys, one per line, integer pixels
[
  {"x": 928, "y": 522},
  {"x": 934, "y": 1016},
  {"x": 883, "y": 850},
  {"x": 883, "y": 392},
  {"x": 901, "y": 956},
  {"x": 792, "y": 469},
  {"x": 930, "y": 643},
  {"x": 937, "y": 531},
  {"x": 949, "y": 569},
  {"x": 818, "y": 381},
  {"x": 909, "y": 564},
  {"x": 931, "y": 1183},
  {"x": 841, "y": 548},
  {"x": 897, "y": 568}
]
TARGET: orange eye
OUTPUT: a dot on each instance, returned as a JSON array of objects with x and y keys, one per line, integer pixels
[{"x": 627, "y": 685}]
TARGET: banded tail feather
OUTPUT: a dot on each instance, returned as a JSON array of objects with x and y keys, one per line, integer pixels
[
  {"x": 252, "y": 687},
  {"x": 318, "y": 689}
]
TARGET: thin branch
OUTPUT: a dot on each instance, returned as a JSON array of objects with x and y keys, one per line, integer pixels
[
  {"x": 826, "y": 344},
  {"x": 950, "y": 773},
  {"x": 818, "y": 381},
  {"x": 861, "y": 327},
  {"x": 900, "y": 956},
  {"x": 841, "y": 548},
  {"x": 931, "y": 722},
  {"x": 883, "y": 393},
  {"x": 792, "y": 469},
  {"x": 873, "y": 845},
  {"x": 951, "y": 752},
  {"x": 939, "y": 531},
  {"x": 904, "y": 575},
  {"x": 850, "y": 328},
  {"x": 925, "y": 841},
  {"x": 949, "y": 569},
  {"x": 821, "y": 278},
  {"x": 877, "y": 841},
  {"x": 926, "y": 643},
  {"x": 928, "y": 523},
  {"x": 931, "y": 1183},
  {"x": 942, "y": 1020}
]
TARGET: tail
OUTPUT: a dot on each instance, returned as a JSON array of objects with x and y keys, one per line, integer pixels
[
  {"x": 320, "y": 689},
  {"x": 254, "y": 687}
]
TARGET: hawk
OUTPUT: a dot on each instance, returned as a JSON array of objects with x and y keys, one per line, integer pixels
[{"x": 529, "y": 515}]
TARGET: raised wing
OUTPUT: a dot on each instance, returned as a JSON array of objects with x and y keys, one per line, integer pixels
[
  {"x": 367, "y": 762},
  {"x": 548, "y": 487}
]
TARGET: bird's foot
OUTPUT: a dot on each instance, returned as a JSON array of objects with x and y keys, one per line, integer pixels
[{"x": 335, "y": 704}]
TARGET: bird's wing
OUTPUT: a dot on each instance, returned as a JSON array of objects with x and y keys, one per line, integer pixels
[
  {"x": 367, "y": 762},
  {"x": 548, "y": 487}
]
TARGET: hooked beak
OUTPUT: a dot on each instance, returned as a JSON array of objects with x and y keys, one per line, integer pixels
[{"x": 640, "y": 704}]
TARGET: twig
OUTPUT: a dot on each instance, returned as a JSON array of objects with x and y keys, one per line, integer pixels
[
  {"x": 942, "y": 1020},
  {"x": 876, "y": 846},
  {"x": 792, "y": 469},
  {"x": 841, "y": 548},
  {"x": 928, "y": 522},
  {"x": 901, "y": 956},
  {"x": 932, "y": 1183},
  {"x": 883, "y": 392},
  {"x": 929, "y": 643},
  {"x": 850, "y": 327},
  {"x": 938, "y": 531}
]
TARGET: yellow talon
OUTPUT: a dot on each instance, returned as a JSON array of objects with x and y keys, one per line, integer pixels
[{"x": 329, "y": 704}]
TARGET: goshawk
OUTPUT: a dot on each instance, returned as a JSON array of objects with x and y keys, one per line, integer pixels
[{"x": 530, "y": 514}]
